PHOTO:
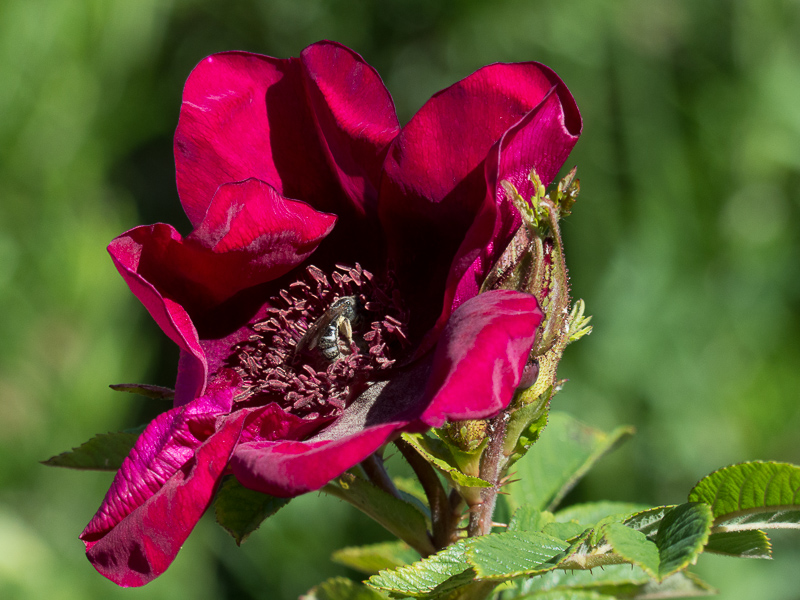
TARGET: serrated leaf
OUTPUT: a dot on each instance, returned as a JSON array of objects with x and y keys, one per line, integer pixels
[
  {"x": 437, "y": 574},
  {"x": 741, "y": 544},
  {"x": 438, "y": 454},
  {"x": 565, "y": 452},
  {"x": 240, "y": 511},
  {"x": 610, "y": 580},
  {"x": 617, "y": 581},
  {"x": 104, "y": 452},
  {"x": 633, "y": 546},
  {"x": 569, "y": 595},
  {"x": 397, "y": 516},
  {"x": 376, "y": 557},
  {"x": 754, "y": 495},
  {"x": 340, "y": 588},
  {"x": 683, "y": 532},
  {"x": 501, "y": 556},
  {"x": 590, "y": 513},
  {"x": 155, "y": 392},
  {"x": 528, "y": 518},
  {"x": 648, "y": 521}
]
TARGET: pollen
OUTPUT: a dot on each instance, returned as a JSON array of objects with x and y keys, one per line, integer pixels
[{"x": 324, "y": 340}]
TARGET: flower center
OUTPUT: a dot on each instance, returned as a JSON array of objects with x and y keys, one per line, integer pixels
[{"x": 323, "y": 340}]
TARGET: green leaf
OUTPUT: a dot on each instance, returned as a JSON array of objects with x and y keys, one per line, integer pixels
[
  {"x": 564, "y": 531},
  {"x": 616, "y": 581},
  {"x": 104, "y": 452},
  {"x": 569, "y": 595},
  {"x": 512, "y": 554},
  {"x": 611, "y": 580},
  {"x": 633, "y": 546},
  {"x": 683, "y": 532},
  {"x": 340, "y": 588},
  {"x": 399, "y": 517},
  {"x": 150, "y": 391},
  {"x": 376, "y": 557},
  {"x": 565, "y": 452},
  {"x": 754, "y": 495},
  {"x": 437, "y": 574},
  {"x": 741, "y": 544},
  {"x": 648, "y": 521},
  {"x": 525, "y": 425},
  {"x": 678, "y": 585},
  {"x": 528, "y": 518},
  {"x": 241, "y": 511},
  {"x": 443, "y": 457},
  {"x": 590, "y": 513}
]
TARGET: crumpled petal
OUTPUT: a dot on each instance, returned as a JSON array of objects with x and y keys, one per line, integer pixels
[
  {"x": 355, "y": 116},
  {"x": 434, "y": 181},
  {"x": 291, "y": 468},
  {"x": 145, "y": 542},
  {"x": 166, "y": 444},
  {"x": 480, "y": 357}
]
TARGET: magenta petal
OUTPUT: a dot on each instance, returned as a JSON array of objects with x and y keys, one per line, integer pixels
[
  {"x": 480, "y": 356},
  {"x": 250, "y": 235},
  {"x": 127, "y": 252},
  {"x": 542, "y": 141},
  {"x": 166, "y": 444},
  {"x": 246, "y": 115},
  {"x": 355, "y": 115},
  {"x": 143, "y": 544},
  {"x": 290, "y": 468},
  {"x": 434, "y": 183}
]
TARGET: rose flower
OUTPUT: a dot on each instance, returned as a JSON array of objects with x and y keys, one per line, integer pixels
[{"x": 327, "y": 297}]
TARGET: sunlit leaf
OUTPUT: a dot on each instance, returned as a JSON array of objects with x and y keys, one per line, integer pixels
[
  {"x": 634, "y": 547},
  {"x": 683, "y": 532},
  {"x": 528, "y": 518},
  {"x": 437, "y": 574},
  {"x": 617, "y": 581},
  {"x": 590, "y": 513},
  {"x": 376, "y": 557},
  {"x": 741, "y": 544},
  {"x": 754, "y": 495},
  {"x": 648, "y": 521},
  {"x": 514, "y": 553},
  {"x": 340, "y": 588}
]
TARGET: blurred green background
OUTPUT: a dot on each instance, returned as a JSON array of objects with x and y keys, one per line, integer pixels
[{"x": 685, "y": 245}]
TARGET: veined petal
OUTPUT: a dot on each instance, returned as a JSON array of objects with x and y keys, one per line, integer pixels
[
  {"x": 480, "y": 357},
  {"x": 289, "y": 468},
  {"x": 145, "y": 542},
  {"x": 355, "y": 116},
  {"x": 246, "y": 116}
]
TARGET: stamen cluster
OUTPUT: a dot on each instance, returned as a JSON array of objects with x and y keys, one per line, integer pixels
[{"x": 275, "y": 363}]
